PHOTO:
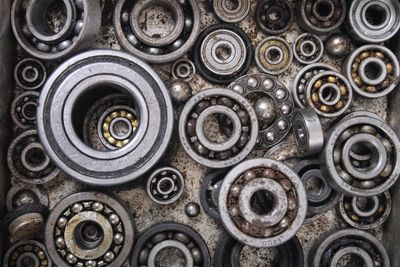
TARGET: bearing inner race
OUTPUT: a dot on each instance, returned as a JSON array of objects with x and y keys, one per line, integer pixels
[
  {"x": 34, "y": 158},
  {"x": 373, "y": 71},
  {"x": 169, "y": 244}
]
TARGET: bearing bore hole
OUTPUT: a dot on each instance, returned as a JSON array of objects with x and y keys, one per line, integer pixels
[
  {"x": 262, "y": 202},
  {"x": 88, "y": 235},
  {"x": 329, "y": 93},
  {"x": 35, "y": 156},
  {"x": 170, "y": 256},
  {"x": 28, "y": 261},
  {"x": 373, "y": 70},
  {"x": 314, "y": 186},
  {"x": 274, "y": 55},
  {"x": 231, "y": 4},
  {"x": 365, "y": 204},
  {"x": 30, "y": 110},
  {"x": 30, "y": 73},
  {"x": 324, "y": 8},
  {"x": 166, "y": 186},
  {"x": 157, "y": 20},
  {"x": 308, "y": 48},
  {"x": 213, "y": 131},
  {"x": 122, "y": 128},
  {"x": 364, "y": 156},
  {"x": 274, "y": 14},
  {"x": 223, "y": 52},
  {"x": 375, "y": 15},
  {"x": 351, "y": 260},
  {"x": 266, "y": 257}
]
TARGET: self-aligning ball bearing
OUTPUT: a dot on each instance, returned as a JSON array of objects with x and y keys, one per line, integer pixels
[
  {"x": 28, "y": 161},
  {"x": 349, "y": 247},
  {"x": 329, "y": 93},
  {"x": 272, "y": 103},
  {"x": 373, "y": 21},
  {"x": 165, "y": 185},
  {"x": 27, "y": 253},
  {"x": 185, "y": 245},
  {"x": 89, "y": 229},
  {"x": 274, "y": 17},
  {"x": 234, "y": 143},
  {"x": 223, "y": 52},
  {"x": 308, "y": 48},
  {"x": 105, "y": 117},
  {"x": 365, "y": 212},
  {"x": 231, "y": 11},
  {"x": 30, "y": 74},
  {"x": 284, "y": 209},
  {"x": 373, "y": 71},
  {"x": 321, "y": 16},
  {"x": 184, "y": 69},
  {"x": 157, "y": 31},
  {"x": 23, "y": 110},
  {"x": 273, "y": 55},
  {"x": 22, "y": 194},
  {"x": 361, "y": 156},
  {"x": 34, "y": 26}
]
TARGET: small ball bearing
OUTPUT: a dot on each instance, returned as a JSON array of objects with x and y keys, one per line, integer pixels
[
  {"x": 183, "y": 69},
  {"x": 180, "y": 92},
  {"x": 192, "y": 209},
  {"x": 231, "y": 12},
  {"x": 21, "y": 194},
  {"x": 372, "y": 70},
  {"x": 27, "y": 253},
  {"x": 30, "y": 74},
  {"x": 338, "y": 45},
  {"x": 274, "y": 223},
  {"x": 23, "y": 110},
  {"x": 274, "y": 17},
  {"x": 274, "y": 55},
  {"x": 308, "y": 48}
]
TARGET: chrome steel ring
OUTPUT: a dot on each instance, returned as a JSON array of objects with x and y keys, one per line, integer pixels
[
  {"x": 373, "y": 21},
  {"x": 89, "y": 229},
  {"x": 372, "y": 70},
  {"x": 190, "y": 247},
  {"x": 231, "y": 12},
  {"x": 357, "y": 248},
  {"x": 329, "y": 93},
  {"x": 30, "y": 74},
  {"x": 43, "y": 38},
  {"x": 287, "y": 205},
  {"x": 274, "y": 55},
  {"x": 365, "y": 212},
  {"x": 308, "y": 48},
  {"x": 234, "y": 145},
  {"x": 28, "y": 161},
  {"x": 23, "y": 110},
  {"x": 64, "y": 116},
  {"x": 222, "y": 52},
  {"x": 321, "y": 16},
  {"x": 361, "y": 156},
  {"x": 157, "y": 31},
  {"x": 307, "y": 130},
  {"x": 184, "y": 69},
  {"x": 272, "y": 103},
  {"x": 274, "y": 17},
  {"x": 22, "y": 194},
  {"x": 165, "y": 185},
  {"x": 27, "y": 253}
]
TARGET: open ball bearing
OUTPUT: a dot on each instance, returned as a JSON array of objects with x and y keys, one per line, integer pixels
[
  {"x": 281, "y": 217},
  {"x": 232, "y": 107},
  {"x": 23, "y": 110},
  {"x": 30, "y": 74},
  {"x": 183, "y": 69},
  {"x": 27, "y": 253},
  {"x": 96, "y": 77},
  {"x": 231, "y": 12},
  {"x": 308, "y": 48},
  {"x": 165, "y": 185},
  {"x": 273, "y": 55},
  {"x": 274, "y": 17}
]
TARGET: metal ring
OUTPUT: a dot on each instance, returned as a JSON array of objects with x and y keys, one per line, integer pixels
[
  {"x": 274, "y": 55},
  {"x": 235, "y": 12},
  {"x": 29, "y": 251},
  {"x": 308, "y": 48},
  {"x": 274, "y": 17},
  {"x": 30, "y": 74}
]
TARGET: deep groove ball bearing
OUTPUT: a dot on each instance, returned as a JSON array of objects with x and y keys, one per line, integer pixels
[{"x": 66, "y": 103}]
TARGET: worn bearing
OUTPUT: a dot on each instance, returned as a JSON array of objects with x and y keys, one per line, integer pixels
[
  {"x": 157, "y": 31},
  {"x": 274, "y": 55},
  {"x": 361, "y": 156},
  {"x": 351, "y": 246},
  {"x": 23, "y": 110},
  {"x": 373, "y": 21},
  {"x": 43, "y": 38},
  {"x": 329, "y": 93},
  {"x": 281, "y": 216},
  {"x": 272, "y": 103},
  {"x": 30, "y": 74},
  {"x": 225, "y": 149},
  {"x": 27, "y": 253},
  {"x": 184, "y": 69},
  {"x": 28, "y": 161},
  {"x": 373, "y": 71},
  {"x": 365, "y": 212},
  {"x": 165, "y": 185},
  {"x": 307, "y": 130},
  {"x": 223, "y": 52},
  {"x": 321, "y": 196},
  {"x": 121, "y": 90},
  {"x": 274, "y": 17},
  {"x": 302, "y": 79},
  {"x": 231, "y": 11},
  {"x": 89, "y": 229},
  {"x": 321, "y": 16},
  {"x": 21, "y": 194},
  {"x": 186, "y": 247},
  {"x": 308, "y": 48}
]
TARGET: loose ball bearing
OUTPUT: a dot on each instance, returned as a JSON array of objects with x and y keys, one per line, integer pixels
[
  {"x": 321, "y": 16},
  {"x": 308, "y": 48},
  {"x": 373, "y": 21},
  {"x": 157, "y": 38},
  {"x": 361, "y": 156},
  {"x": 274, "y": 55},
  {"x": 36, "y": 34},
  {"x": 338, "y": 45},
  {"x": 263, "y": 227},
  {"x": 372, "y": 70},
  {"x": 329, "y": 93},
  {"x": 27, "y": 253},
  {"x": 222, "y": 52},
  {"x": 165, "y": 185},
  {"x": 192, "y": 249},
  {"x": 30, "y": 74},
  {"x": 272, "y": 103},
  {"x": 22, "y": 194},
  {"x": 128, "y": 138},
  {"x": 232, "y": 147},
  {"x": 23, "y": 110},
  {"x": 184, "y": 69},
  {"x": 274, "y": 17},
  {"x": 233, "y": 11},
  {"x": 89, "y": 229},
  {"x": 365, "y": 212}
]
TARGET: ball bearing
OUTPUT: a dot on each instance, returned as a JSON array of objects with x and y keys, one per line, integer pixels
[
  {"x": 184, "y": 69},
  {"x": 231, "y": 12},
  {"x": 27, "y": 253},
  {"x": 180, "y": 92},
  {"x": 308, "y": 48},
  {"x": 21, "y": 194},
  {"x": 338, "y": 45},
  {"x": 23, "y": 110},
  {"x": 273, "y": 55},
  {"x": 30, "y": 74},
  {"x": 274, "y": 17}
]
